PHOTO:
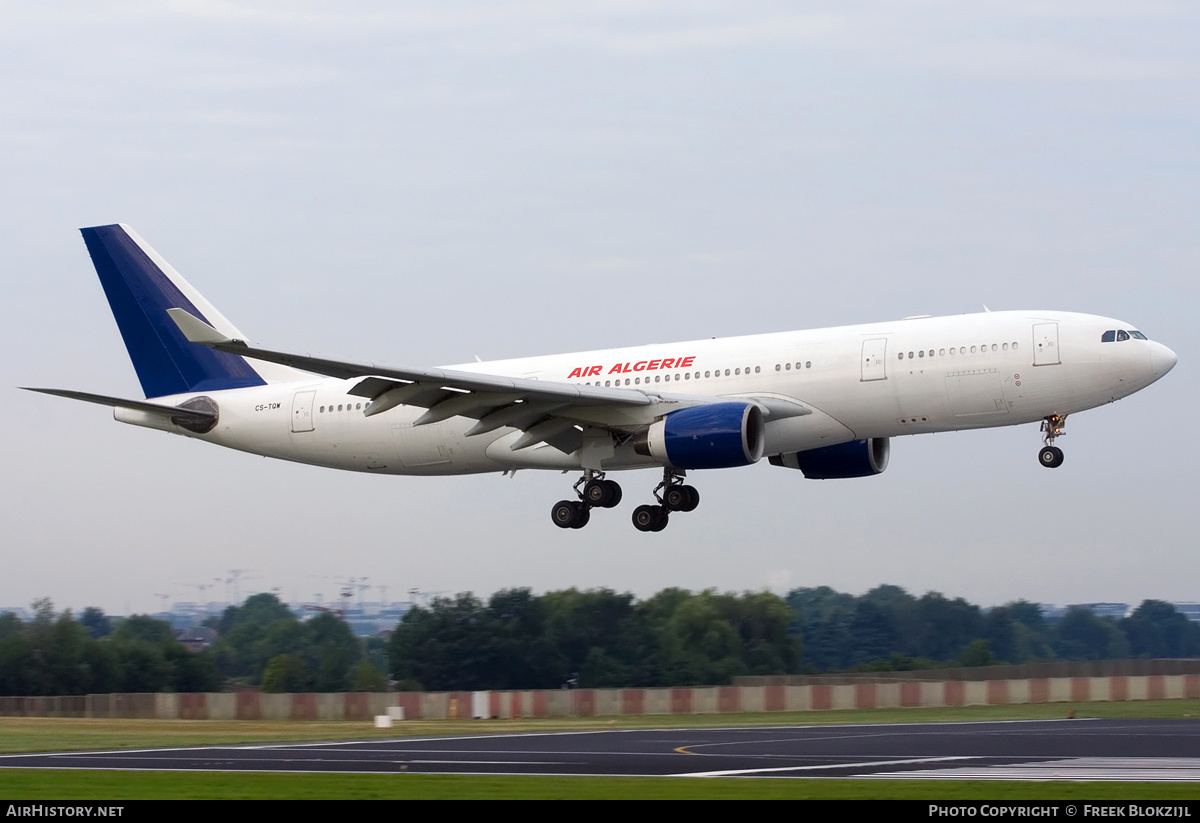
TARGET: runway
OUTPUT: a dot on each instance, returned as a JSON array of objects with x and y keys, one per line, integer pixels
[{"x": 1137, "y": 750}]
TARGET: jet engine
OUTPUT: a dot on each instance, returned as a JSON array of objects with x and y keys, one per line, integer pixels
[
  {"x": 858, "y": 458},
  {"x": 716, "y": 436}
]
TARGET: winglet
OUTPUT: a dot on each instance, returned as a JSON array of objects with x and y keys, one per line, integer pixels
[{"x": 196, "y": 330}]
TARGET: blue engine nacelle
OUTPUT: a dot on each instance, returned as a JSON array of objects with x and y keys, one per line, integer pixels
[
  {"x": 858, "y": 458},
  {"x": 717, "y": 436}
]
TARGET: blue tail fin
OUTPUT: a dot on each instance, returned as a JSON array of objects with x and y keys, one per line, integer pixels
[{"x": 140, "y": 287}]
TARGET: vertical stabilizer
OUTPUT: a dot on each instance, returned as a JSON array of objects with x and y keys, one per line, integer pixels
[{"x": 141, "y": 286}]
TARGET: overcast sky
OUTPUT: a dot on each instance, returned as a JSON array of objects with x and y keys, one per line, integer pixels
[{"x": 421, "y": 183}]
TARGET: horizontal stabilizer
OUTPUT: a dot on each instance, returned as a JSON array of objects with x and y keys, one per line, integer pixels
[{"x": 177, "y": 414}]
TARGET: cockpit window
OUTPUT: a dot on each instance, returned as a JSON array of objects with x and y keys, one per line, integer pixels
[{"x": 1117, "y": 335}]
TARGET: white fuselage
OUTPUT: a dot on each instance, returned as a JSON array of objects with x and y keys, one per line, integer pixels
[{"x": 880, "y": 380}]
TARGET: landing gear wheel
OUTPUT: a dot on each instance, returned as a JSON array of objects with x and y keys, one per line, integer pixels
[
  {"x": 650, "y": 518},
  {"x": 681, "y": 498},
  {"x": 693, "y": 498},
  {"x": 1051, "y": 457},
  {"x": 615, "y": 497},
  {"x": 570, "y": 514},
  {"x": 583, "y": 515},
  {"x": 676, "y": 498},
  {"x": 601, "y": 493},
  {"x": 660, "y": 522},
  {"x": 596, "y": 493}
]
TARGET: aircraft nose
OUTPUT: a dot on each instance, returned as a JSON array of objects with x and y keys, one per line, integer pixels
[{"x": 1162, "y": 359}]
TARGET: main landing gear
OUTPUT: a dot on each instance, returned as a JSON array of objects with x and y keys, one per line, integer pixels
[
  {"x": 1052, "y": 427},
  {"x": 672, "y": 496},
  {"x": 596, "y": 491}
]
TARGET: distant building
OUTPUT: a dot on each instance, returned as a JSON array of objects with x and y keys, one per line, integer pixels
[
  {"x": 1050, "y": 612},
  {"x": 196, "y": 638},
  {"x": 1116, "y": 611}
]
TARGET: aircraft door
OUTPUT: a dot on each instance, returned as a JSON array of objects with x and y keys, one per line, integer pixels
[
  {"x": 302, "y": 406},
  {"x": 874, "y": 360},
  {"x": 1045, "y": 344}
]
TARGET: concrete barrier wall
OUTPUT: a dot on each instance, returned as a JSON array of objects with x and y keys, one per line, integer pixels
[{"x": 360, "y": 706}]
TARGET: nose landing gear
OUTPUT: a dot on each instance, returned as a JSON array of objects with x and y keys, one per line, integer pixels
[{"x": 1053, "y": 427}]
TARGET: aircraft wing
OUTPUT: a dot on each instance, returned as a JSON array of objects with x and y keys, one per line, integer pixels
[{"x": 546, "y": 411}]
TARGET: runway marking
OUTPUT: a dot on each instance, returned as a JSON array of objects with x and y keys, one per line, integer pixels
[
  {"x": 343, "y": 760},
  {"x": 428, "y": 739},
  {"x": 1123, "y": 769},
  {"x": 118, "y": 751},
  {"x": 855, "y": 765}
]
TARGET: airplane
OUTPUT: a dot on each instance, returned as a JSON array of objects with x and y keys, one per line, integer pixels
[{"x": 825, "y": 402}]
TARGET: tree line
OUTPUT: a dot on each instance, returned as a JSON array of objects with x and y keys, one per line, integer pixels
[
  {"x": 260, "y": 643},
  {"x": 888, "y": 628},
  {"x": 595, "y": 638},
  {"x": 55, "y": 654}
]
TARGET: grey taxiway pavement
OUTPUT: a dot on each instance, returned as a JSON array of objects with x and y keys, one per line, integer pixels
[{"x": 1141, "y": 750}]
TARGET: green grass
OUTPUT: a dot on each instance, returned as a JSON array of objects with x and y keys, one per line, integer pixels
[
  {"x": 19, "y": 784},
  {"x": 67, "y": 734}
]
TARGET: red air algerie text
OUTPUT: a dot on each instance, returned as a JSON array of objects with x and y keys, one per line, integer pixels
[{"x": 631, "y": 367}]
